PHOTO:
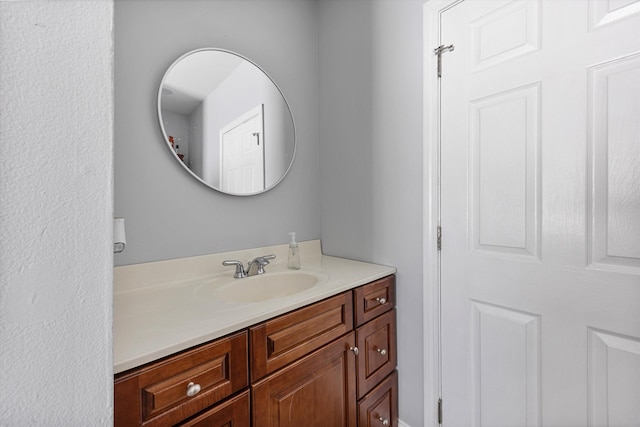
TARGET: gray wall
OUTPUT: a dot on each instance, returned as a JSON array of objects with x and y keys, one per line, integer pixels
[
  {"x": 169, "y": 215},
  {"x": 346, "y": 133},
  {"x": 371, "y": 156},
  {"x": 356, "y": 182},
  {"x": 397, "y": 180}
]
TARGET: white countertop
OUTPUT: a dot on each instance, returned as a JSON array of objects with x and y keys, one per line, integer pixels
[{"x": 163, "y": 307}]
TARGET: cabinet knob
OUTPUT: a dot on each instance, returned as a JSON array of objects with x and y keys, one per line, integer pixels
[
  {"x": 381, "y": 300},
  {"x": 355, "y": 350},
  {"x": 384, "y": 421},
  {"x": 382, "y": 352},
  {"x": 193, "y": 389}
]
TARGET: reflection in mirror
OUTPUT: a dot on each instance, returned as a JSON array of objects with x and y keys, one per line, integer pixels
[{"x": 226, "y": 122}]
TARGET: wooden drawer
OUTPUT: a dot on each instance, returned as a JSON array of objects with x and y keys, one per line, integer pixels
[
  {"x": 373, "y": 299},
  {"x": 234, "y": 412},
  {"x": 157, "y": 394},
  {"x": 280, "y": 341},
  {"x": 380, "y": 407},
  {"x": 376, "y": 341}
]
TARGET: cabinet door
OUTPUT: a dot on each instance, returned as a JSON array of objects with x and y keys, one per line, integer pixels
[
  {"x": 318, "y": 390},
  {"x": 234, "y": 412},
  {"x": 377, "y": 356}
]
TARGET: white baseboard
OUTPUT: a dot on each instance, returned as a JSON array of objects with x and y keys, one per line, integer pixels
[{"x": 402, "y": 424}]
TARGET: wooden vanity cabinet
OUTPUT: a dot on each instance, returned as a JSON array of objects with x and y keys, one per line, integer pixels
[
  {"x": 343, "y": 380},
  {"x": 331, "y": 363}
]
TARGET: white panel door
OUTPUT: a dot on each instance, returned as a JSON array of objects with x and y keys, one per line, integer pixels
[
  {"x": 242, "y": 153},
  {"x": 540, "y": 213}
]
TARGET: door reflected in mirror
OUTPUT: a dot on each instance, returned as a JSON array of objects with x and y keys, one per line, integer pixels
[{"x": 226, "y": 122}]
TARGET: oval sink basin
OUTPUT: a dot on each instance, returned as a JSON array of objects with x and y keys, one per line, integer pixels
[{"x": 260, "y": 288}]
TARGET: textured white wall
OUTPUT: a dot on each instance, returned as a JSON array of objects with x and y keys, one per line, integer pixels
[{"x": 56, "y": 213}]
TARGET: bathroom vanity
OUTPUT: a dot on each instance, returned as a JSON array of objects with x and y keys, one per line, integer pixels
[{"x": 323, "y": 355}]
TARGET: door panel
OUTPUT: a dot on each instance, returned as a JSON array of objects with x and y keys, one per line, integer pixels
[
  {"x": 614, "y": 101},
  {"x": 504, "y": 143},
  {"x": 614, "y": 370},
  {"x": 540, "y": 212},
  {"x": 506, "y": 362},
  {"x": 242, "y": 153}
]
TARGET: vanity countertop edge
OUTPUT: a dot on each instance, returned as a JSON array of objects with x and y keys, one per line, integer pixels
[{"x": 159, "y": 308}]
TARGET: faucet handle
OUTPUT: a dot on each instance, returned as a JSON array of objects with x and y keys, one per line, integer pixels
[
  {"x": 256, "y": 266},
  {"x": 240, "y": 273},
  {"x": 263, "y": 261}
]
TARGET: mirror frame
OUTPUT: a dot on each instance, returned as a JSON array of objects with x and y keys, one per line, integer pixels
[{"x": 175, "y": 155}]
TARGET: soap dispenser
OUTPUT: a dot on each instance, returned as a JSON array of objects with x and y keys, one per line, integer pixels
[{"x": 293, "y": 262}]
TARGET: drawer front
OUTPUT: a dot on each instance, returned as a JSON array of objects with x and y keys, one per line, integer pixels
[
  {"x": 379, "y": 408},
  {"x": 282, "y": 340},
  {"x": 234, "y": 412},
  {"x": 376, "y": 341},
  {"x": 174, "y": 389},
  {"x": 373, "y": 299}
]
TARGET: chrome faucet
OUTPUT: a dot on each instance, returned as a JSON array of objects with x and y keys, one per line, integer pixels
[{"x": 255, "y": 266}]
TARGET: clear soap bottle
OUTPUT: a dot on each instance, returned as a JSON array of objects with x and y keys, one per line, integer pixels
[{"x": 293, "y": 262}]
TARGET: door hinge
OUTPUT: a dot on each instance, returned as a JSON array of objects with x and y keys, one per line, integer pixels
[
  {"x": 439, "y": 51},
  {"x": 439, "y": 238},
  {"x": 439, "y": 411}
]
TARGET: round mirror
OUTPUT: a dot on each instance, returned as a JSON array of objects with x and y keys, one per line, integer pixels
[{"x": 226, "y": 122}]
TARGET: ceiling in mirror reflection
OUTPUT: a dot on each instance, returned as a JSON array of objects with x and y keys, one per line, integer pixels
[
  {"x": 207, "y": 105},
  {"x": 195, "y": 77}
]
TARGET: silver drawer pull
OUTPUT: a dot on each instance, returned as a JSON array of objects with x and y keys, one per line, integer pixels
[
  {"x": 193, "y": 389},
  {"x": 381, "y": 300},
  {"x": 384, "y": 421},
  {"x": 382, "y": 352},
  {"x": 355, "y": 350}
]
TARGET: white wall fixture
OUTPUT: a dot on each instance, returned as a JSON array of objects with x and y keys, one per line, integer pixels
[{"x": 119, "y": 237}]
